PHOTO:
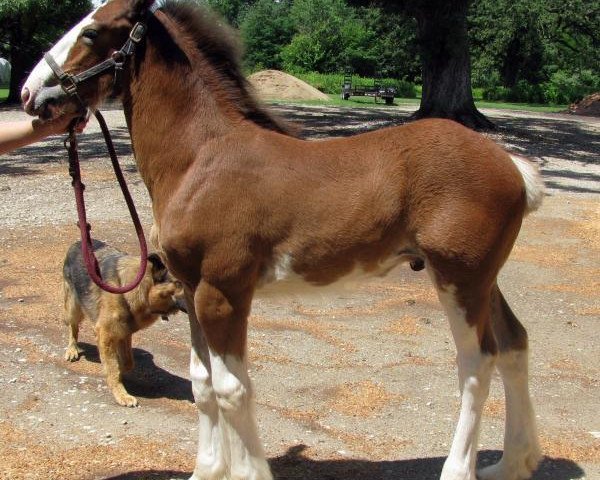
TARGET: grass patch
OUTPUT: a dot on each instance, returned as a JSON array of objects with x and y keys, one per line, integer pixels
[
  {"x": 369, "y": 102},
  {"x": 525, "y": 107},
  {"x": 331, "y": 83},
  {"x": 3, "y": 93},
  {"x": 353, "y": 102}
]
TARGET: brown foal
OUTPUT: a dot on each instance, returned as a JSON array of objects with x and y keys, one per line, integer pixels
[{"x": 240, "y": 203}]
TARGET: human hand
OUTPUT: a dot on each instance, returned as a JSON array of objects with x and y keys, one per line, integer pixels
[
  {"x": 18, "y": 134},
  {"x": 59, "y": 124}
]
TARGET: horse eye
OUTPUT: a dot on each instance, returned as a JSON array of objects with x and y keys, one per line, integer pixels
[{"x": 90, "y": 34}]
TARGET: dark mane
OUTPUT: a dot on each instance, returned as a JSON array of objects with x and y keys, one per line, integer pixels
[{"x": 219, "y": 44}]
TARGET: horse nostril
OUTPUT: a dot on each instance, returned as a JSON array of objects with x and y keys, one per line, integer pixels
[{"x": 25, "y": 95}]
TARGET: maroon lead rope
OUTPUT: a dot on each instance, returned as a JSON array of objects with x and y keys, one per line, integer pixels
[{"x": 90, "y": 261}]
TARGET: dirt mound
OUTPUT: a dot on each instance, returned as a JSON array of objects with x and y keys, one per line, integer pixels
[
  {"x": 588, "y": 106},
  {"x": 276, "y": 85}
]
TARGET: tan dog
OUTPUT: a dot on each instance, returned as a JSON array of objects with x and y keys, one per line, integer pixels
[{"x": 116, "y": 316}]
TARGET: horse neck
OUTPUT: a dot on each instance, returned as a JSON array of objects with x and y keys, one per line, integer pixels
[{"x": 170, "y": 117}]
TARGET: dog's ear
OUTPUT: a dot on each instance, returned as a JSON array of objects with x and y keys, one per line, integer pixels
[{"x": 159, "y": 270}]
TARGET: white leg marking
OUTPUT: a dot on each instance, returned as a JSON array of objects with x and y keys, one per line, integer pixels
[
  {"x": 521, "y": 449},
  {"x": 210, "y": 464},
  {"x": 474, "y": 372},
  {"x": 234, "y": 395}
]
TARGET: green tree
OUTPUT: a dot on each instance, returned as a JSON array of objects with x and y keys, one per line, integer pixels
[
  {"x": 445, "y": 63},
  {"x": 446, "y": 67},
  {"x": 329, "y": 36},
  {"x": 231, "y": 10},
  {"x": 506, "y": 42},
  {"x": 534, "y": 50},
  {"x": 573, "y": 27},
  {"x": 30, "y": 27},
  {"x": 392, "y": 43},
  {"x": 266, "y": 28},
  {"x": 538, "y": 37}
]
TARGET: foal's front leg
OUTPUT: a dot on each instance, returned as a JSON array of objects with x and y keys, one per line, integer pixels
[
  {"x": 210, "y": 461},
  {"x": 223, "y": 316}
]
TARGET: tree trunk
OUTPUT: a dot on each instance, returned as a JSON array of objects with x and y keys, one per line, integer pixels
[
  {"x": 446, "y": 67},
  {"x": 17, "y": 76},
  {"x": 21, "y": 61}
]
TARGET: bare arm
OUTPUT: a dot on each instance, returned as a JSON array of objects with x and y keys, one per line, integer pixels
[{"x": 18, "y": 134}]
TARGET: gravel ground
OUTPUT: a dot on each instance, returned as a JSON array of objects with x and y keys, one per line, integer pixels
[{"x": 357, "y": 385}]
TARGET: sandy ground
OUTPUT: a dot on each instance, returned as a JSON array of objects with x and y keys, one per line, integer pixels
[{"x": 359, "y": 385}]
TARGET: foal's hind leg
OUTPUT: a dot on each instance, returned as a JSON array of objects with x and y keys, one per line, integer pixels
[
  {"x": 471, "y": 332},
  {"x": 223, "y": 316},
  {"x": 521, "y": 449}
]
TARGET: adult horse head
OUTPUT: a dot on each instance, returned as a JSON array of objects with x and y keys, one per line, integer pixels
[{"x": 239, "y": 204}]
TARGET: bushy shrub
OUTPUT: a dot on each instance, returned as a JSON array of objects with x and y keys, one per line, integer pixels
[
  {"x": 303, "y": 53},
  {"x": 522, "y": 92},
  {"x": 567, "y": 88},
  {"x": 495, "y": 93},
  {"x": 561, "y": 88},
  {"x": 525, "y": 92},
  {"x": 265, "y": 29},
  {"x": 329, "y": 83},
  {"x": 405, "y": 89}
]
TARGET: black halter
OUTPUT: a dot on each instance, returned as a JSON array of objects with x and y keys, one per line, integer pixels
[{"x": 69, "y": 82}]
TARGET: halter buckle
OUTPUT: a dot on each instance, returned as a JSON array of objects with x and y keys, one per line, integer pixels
[
  {"x": 137, "y": 32},
  {"x": 69, "y": 85}
]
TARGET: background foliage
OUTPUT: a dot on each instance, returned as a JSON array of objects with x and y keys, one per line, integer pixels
[
  {"x": 534, "y": 50},
  {"x": 330, "y": 83},
  {"x": 29, "y": 27},
  {"x": 521, "y": 50},
  {"x": 36, "y": 24}
]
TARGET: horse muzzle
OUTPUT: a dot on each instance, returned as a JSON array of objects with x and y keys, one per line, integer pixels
[{"x": 49, "y": 102}]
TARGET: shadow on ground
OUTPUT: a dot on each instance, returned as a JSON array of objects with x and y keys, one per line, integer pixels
[
  {"x": 555, "y": 137},
  {"x": 91, "y": 149},
  {"x": 547, "y": 138},
  {"x": 147, "y": 380},
  {"x": 324, "y": 122},
  {"x": 295, "y": 466},
  {"x": 559, "y": 136}
]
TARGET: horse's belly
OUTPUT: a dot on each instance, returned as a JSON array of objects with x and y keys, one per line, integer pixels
[{"x": 281, "y": 279}]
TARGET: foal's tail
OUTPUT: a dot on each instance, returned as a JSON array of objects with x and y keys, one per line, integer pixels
[{"x": 534, "y": 185}]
